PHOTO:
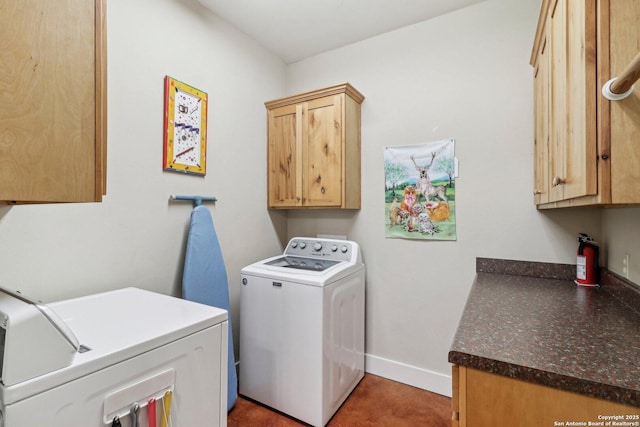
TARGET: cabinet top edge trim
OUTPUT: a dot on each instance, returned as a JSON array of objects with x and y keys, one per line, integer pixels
[
  {"x": 306, "y": 96},
  {"x": 544, "y": 8}
]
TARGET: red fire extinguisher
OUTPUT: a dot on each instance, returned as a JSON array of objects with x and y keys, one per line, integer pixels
[{"x": 587, "y": 262}]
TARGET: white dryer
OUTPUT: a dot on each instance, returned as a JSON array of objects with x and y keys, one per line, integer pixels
[
  {"x": 95, "y": 360},
  {"x": 302, "y": 328}
]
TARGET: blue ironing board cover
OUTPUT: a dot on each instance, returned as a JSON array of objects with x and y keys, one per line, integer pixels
[{"x": 205, "y": 279}]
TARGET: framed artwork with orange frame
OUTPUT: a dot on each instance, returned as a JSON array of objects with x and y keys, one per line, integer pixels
[{"x": 185, "y": 128}]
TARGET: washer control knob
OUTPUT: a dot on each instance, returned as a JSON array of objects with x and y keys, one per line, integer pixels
[
  {"x": 317, "y": 246},
  {"x": 303, "y": 245},
  {"x": 344, "y": 249},
  {"x": 334, "y": 248},
  {"x": 294, "y": 244}
]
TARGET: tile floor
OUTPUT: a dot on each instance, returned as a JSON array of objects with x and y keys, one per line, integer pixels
[{"x": 376, "y": 401}]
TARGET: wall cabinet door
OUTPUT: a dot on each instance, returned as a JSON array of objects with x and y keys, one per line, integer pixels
[
  {"x": 314, "y": 149},
  {"x": 52, "y": 101},
  {"x": 557, "y": 80},
  {"x": 542, "y": 183},
  {"x": 620, "y": 119},
  {"x": 322, "y": 148},
  {"x": 285, "y": 156},
  {"x": 579, "y": 165},
  {"x": 570, "y": 76}
]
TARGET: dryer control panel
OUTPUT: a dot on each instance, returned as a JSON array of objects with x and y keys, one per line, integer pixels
[
  {"x": 338, "y": 250},
  {"x": 34, "y": 340}
]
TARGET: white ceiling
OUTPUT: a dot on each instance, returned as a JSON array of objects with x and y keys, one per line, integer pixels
[{"x": 298, "y": 29}]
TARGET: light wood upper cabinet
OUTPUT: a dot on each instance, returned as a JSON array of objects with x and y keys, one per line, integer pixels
[
  {"x": 542, "y": 183},
  {"x": 583, "y": 150},
  {"x": 314, "y": 149},
  {"x": 52, "y": 101}
]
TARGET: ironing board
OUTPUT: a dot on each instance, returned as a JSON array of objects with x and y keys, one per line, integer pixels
[{"x": 205, "y": 279}]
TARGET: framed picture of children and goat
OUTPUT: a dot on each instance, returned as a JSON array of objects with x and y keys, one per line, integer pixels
[{"x": 420, "y": 191}]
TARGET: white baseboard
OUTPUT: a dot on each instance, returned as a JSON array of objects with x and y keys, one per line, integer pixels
[{"x": 407, "y": 374}]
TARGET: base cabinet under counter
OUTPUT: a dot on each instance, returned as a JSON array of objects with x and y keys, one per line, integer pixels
[{"x": 483, "y": 399}]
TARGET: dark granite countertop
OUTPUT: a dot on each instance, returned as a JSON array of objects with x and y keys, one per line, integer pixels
[{"x": 529, "y": 321}]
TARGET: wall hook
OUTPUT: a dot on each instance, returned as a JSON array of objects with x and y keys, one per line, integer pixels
[{"x": 197, "y": 200}]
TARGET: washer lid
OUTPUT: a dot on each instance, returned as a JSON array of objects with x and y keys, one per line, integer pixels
[{"x": 302, "y": 263}]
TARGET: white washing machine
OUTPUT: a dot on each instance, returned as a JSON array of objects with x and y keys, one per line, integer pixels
[{"x": 302, "y": 328}]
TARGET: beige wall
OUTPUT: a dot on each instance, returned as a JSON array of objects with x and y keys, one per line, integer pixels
[
  {"x": 621, "y": 233},
  {"x": 465, "y": 76},
  {"x": 136, "y": 237}
]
